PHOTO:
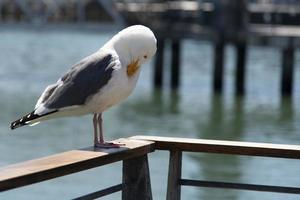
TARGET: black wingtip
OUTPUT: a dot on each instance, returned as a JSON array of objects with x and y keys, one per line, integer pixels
[
  {"x": 18, "y": 123},
  {"x": 27, "y": 118},
  {"x": 22, "y": 121},
  {"x": 14, "y": 125}
]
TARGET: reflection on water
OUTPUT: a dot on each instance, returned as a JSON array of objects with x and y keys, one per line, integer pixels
[
  {"x": 30, "y": 60},
  {"x": 223, "y": 123},
  {"x": 174, "y": 102},
  {"x": 230, "y": 124},
  {"x": 286, "y": 110},
  {"x": 220, "y": 167}
]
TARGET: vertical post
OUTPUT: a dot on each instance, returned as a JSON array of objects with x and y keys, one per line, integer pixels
[
  {"x": 240, "y": 68},
  {"x": 287, "y": 71},
  {"x": 1, "y": 11},
  {"x": 240, "y": 19},
  {"x": 80, "y": 11},
  {"x": 136, "y": 179},
  {"x": 222, "y": 25},
  {"x": 174, "y": 188},
  {"x": 159, "y": 62},
  {"x": 218, "y": 66},
  {"x": 175, "y": 64}
]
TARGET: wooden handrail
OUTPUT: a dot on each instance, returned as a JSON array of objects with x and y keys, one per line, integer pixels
[
  {"x": 135, "y": 161},
  {"x": 223, "y": 147},
  {"x": 61, "y": 164},
  {"x": 178, "y": 145}
]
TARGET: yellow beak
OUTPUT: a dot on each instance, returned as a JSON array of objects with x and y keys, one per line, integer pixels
[{"x": 132, "y": 68}]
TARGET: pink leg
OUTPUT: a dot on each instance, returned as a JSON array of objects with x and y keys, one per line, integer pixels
[
  {"x": 100, "y": 128},
  {"x": 101, "y": 143},
  {"x": 95, "y": 129}
]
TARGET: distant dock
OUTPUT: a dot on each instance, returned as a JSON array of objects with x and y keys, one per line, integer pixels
[
  {"x": 238, "y": 22},
  {"x": 65, "y": 11}
]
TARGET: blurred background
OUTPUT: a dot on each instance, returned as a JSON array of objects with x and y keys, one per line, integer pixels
[{"x": 225, "y": 69}]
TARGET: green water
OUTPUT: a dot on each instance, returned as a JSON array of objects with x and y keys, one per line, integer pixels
[{"x": 32, "y": 59}]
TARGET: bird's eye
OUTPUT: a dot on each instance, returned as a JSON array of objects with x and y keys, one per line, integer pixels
[{"x": 145, "y": 56}]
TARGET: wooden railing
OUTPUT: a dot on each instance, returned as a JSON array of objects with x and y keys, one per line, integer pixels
[
  {"x": 133, "y": 154},
  {"x": 178, "y": 145},
  {"x": 136, "y": 176}
]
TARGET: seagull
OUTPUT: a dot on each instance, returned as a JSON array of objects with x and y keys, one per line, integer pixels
[{"x": 97, "y": 82}]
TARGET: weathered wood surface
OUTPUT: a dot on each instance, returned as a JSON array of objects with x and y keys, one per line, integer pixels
[
  {"x": 159, "y": 7},
  {"x": 273, "y": 8},
  {"x": 224, "y": 147},
  {"x": 274, "y": 31},
  {"x": 61, "y": 164},
  {"x": 136, "y": 179},
  {"x": 174, "y": 177}
]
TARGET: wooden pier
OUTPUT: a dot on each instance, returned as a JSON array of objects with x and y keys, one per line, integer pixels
[
  {"x": 238, "y": 22},
  {"x": 65, "y": 11},
  {"x": 136, "y": 184}
]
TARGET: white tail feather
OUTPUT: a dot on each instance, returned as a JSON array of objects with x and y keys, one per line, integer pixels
[{"x": 34, "y": 124}]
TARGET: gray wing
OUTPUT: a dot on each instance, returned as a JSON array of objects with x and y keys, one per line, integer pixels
[{"x": 83, "y": 80}]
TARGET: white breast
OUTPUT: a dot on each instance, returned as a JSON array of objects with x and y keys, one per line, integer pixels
[{"x": 117, "y": 89}]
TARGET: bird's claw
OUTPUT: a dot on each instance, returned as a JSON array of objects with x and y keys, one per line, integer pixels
[{"x": 108, "y": 145}]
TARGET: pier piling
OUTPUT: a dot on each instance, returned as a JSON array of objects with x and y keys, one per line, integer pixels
[
  {"x": 218, "y": 66},
  {"x": 175, "y": 64},
  {"x": 240, "y": 68},
  {"x": 159, "y": 63},
  {"x": 287, "y": 70}
]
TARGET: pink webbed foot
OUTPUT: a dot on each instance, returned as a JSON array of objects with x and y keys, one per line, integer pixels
[
  {"x": 99, "y": 141},
  {"x": 108, "y": 145}
]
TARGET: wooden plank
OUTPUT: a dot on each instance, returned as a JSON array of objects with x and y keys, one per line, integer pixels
[
  {"x": 136, "y": 179},
  {"x": 159, "y": 7},
  {"x": 273, "y": 30},
  {"x": 224, "y": 147},
  {"x": 175, "y": 165},
  {"x": 274, "y": 8},
  {"x": 240, "y": 186},
  {"x": 61, "y": 164}
]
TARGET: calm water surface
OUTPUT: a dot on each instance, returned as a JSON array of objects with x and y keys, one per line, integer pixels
[{"x": 32, "y": 59}]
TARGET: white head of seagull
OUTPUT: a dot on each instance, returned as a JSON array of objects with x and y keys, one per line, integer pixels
[
  {"x": 134, "y": 44},
  {"x": 97, "y": 82}
]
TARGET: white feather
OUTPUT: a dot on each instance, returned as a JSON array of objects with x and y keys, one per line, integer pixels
[{"x": 36, "y": 123}]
